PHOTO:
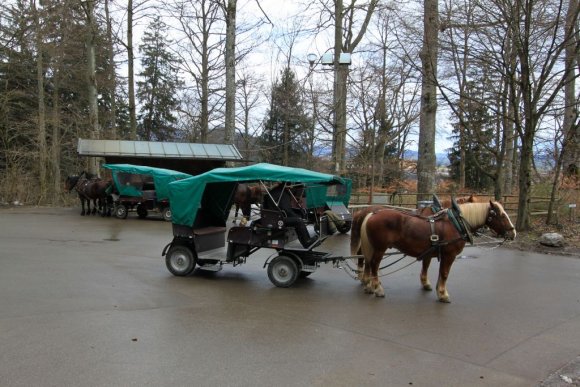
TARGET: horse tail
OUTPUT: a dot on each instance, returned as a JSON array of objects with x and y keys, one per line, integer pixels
[
  {"x": 355, "y": 233},
  {"x": 365, "y": 245}
]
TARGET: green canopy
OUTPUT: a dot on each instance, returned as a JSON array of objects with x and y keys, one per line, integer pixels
[
  {"x": 213, "y": 191},
  {"x": 321, "y": 195},
  {"x": 161, "y": 178}
]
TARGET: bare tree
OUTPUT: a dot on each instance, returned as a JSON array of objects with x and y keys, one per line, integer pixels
[
  {"x": 200, "y": 50},
  {"x": 539, "y": 51},
  {"x": 426, "y": 159},
  {"x": 249, "y": 98},
  {"x": 230, "y": 59},
  {"x": 346, "y": 39}
]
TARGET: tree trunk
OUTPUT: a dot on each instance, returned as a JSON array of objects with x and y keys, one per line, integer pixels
[
  {"x": 509, "y": 112},
  {"x": 339, "y": 115},
  {"x": 112, "y": 74},
  {"x": 56, "y": 137},
  {"x": 42, "y": 150},
  {"x": 204, "y": 119},
  {"x": 230, "y": 58},
  {"x": 525, "y": 180},
  {"x": 340, "y": 118},
  {"x": 131, "y": 70},
  {"x": 92, "y": 81},
  {"x": 426, "y": 159},
  {"x": 572, "y": 148},
  {"x": 569, "y": 153}
]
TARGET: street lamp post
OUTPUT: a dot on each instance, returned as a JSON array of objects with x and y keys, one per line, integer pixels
[{"x": 340, "y": 67}]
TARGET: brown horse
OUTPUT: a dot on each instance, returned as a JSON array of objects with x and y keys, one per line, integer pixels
[
  {"x": 244, "y": 197},
  {"x": 90, "y": 188},
  {"x": 440, "y": 235},
  {"x": 425, "y": 211}
]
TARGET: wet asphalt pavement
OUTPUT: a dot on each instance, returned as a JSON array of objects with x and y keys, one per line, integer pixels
[{"x": 87, "y": 301}]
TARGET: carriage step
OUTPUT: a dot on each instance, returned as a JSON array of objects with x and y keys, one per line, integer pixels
[{"x": 211, "y": 266}]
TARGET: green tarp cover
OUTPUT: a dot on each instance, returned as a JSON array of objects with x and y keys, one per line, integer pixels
[
  {"x": 185, "y": 196},
  {"x": 161, "y": 178},
  {"x": 319, "y": 195}
]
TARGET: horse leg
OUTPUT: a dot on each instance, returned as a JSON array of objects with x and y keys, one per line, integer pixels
[
  {"x": 94, "y": 207},
  {"x": 82, "y": 205},
  {"x": 426, "y": 285},
  {"x": 360, "y": 267},
  {"x": 103, "y": 206},
  {"x": 376, "y": 286},
  {"x": 444, "y": 269},
  {"x": 367, "y": 276}
]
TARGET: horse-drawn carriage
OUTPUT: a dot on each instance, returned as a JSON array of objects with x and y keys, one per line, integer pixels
[
  {"x": 201, "y": 205},
  {"x": 142, "y": 189}
]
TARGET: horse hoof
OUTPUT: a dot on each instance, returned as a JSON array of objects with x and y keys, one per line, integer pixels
[
  {"x": 427, "y": 287},
  {"x": 445, "y": 300},
  {"x": 380, "y": 294},
  {"x": 368, "y": 290}
]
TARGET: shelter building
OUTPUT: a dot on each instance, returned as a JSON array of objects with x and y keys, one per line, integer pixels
[{"x": 189, "y": 158}]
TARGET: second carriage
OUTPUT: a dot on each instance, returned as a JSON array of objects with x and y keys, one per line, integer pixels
[{"x": 142, "y": 189}]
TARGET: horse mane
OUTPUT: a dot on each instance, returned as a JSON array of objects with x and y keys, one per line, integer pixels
[{"x": 475, "y": 213}]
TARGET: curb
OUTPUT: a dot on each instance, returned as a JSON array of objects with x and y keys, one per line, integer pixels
[{"x": 567, "y": 376}]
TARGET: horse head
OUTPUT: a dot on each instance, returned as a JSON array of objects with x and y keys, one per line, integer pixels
[
  {"x": 70, "y": 183},
  {"x": 499, "y": 221}
]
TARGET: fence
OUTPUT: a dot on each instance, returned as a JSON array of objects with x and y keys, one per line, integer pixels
[{"x": 538, "y": 204}]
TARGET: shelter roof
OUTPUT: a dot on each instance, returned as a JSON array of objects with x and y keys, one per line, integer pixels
[{"x": 150, "y": 149}]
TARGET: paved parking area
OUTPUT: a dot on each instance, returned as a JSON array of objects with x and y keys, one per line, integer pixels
[{"x": 87, "y": 301}]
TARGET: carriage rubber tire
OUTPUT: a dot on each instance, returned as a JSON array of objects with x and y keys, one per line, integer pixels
[
  {"x": 166, "y": 213},
  {"x": 180, "y": 260},
  {"x": 346, "y": 227},
  {"x": 142, "y": 211},
  {"x": 121, "y": 211},
  {"x": 283, "y": 271}
]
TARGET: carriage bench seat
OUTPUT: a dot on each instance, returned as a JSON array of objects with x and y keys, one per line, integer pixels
[
  {"x": 209, "y": 238},
  {"x": 205, "y": 238}
]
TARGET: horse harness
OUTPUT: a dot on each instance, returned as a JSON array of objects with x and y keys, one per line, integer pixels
[
  {"x": 455, "y": 217},
  {"x": 457, "y": 220}
]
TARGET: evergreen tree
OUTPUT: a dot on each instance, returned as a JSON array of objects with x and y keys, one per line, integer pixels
[
  {"x": 285, "y": 136},
  {"x": 157, "y": 91},
  {"x": 479, "y": 162}
]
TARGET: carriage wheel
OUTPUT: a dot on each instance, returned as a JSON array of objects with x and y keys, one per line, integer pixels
[
  {"x": 180, "y": 260},
  {"x": 141, "y": 211},
  {"x": 345, "y": 228},
  {"x": 121, "y": 211},
  {"x": 283, "y": 271},
  {"x": 166, "y": 213}
]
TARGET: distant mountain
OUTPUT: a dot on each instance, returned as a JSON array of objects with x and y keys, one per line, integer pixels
[{"x": 441, "y": 158}]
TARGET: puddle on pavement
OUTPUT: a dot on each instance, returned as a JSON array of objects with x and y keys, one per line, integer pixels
[{"x": 115, "y": 230}]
